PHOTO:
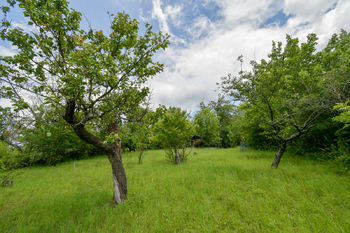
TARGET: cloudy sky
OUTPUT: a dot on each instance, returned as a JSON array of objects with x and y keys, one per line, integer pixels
[{"x": 208, "y": 35}]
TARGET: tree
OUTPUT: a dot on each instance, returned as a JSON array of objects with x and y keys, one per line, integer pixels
[
  {"x": 207, "y": 126},
  {"x": 52, "y": 141},
  {"x": 336, "y": 64},
  {"x": 173, "y": 132},
  {"x": 138, "y": 132},
  {"x": 90, "y": 78},
  {"x": 229, "y": 118},
  {"x": 283, "y": 92}
]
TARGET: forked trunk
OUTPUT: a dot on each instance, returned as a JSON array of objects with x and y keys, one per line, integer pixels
[
  {"x": 178, "y": 157},
  {"x": 119, "y": 177},
  {"x": 279, "y": 154}
]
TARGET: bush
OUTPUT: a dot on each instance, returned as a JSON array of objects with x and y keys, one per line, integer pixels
[
  {"x": 47, "y": 145},
  {"x": 12, "y": 159},
  {"x": 344, "y": 139},
  {"x": 172, "y": 156},
  {"x": 50, "y": 144},
  {"x": 173, "y": 132},
  {"x": 344, "y": 162},
  {"x": 7, "y": 177}
]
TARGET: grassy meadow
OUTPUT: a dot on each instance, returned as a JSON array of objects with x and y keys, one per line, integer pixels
[{"x": 217, "y": 190}]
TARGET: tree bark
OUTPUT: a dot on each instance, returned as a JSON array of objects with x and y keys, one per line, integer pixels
[
  {"x": 114, "y": 153},
  {"x": 119, "y": 177},
  {"x": 178, "y": 157},
  {"x": 140, "y": 155},
  {"x": 279, "y": 154}
]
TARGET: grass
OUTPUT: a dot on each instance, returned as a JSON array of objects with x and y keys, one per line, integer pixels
[{"x": 217, "y": 190}]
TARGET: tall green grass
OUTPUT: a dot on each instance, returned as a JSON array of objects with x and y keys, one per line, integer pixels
[{"x": 217, "y": 190}]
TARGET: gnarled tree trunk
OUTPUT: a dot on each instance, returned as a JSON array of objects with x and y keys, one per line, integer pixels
[
  {"x": 279, "y": 154},
  {"x": 113, "y": 151},
  {"x": 118, "y": 173}
]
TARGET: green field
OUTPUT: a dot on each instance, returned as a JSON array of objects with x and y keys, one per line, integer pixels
[{"x": 217, "y": 190}]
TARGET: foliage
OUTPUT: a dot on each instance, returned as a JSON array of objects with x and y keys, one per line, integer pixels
[
  {"x": 255, "y": 136},
  {"x": 329, "y": 139},
  {"x": 6, "y": 178},
  {"x": 344, "y": 162},
  {"x": 320, "y": 140},
  {"x": 344, "y": 116},
  {"x": 55, "y": 142},
  {"x": 290, "y": 97},
  {"x": 230, "y": 121},
  {"x": 207, "y": 126},
  {"x": 92, "y": 78},
  {"x": 6, "y": 175},
  {"x": 137, "y": 132},
  {"x": 57, "y": 61},
  {"x": 232, "y": 134},
  {"x": 244, "y": 128},
  {"x": 173, "y": 132},
  {"x": 283, "y": 92},
  {"x": 336, "y": 64},
  {"x": 11, "y": 158},
  {"x": 39, "y": 138},
  {"x": 343, "y": 134},
  {"x": 10, "y": 127}
]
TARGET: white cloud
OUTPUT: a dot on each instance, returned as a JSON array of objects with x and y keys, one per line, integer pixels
[
  {"x": 318, "y": 21},
  {"x": 174, "y": 14},
  {"x": 310, "y": 10},
  {"x": 253, "y": 12},
  {"x": 202, "y": 25},
  {"x": 160, "y": 15},
  {"x": 171, "y": 13},
  {"x": 6, "y": 51},
  {"x": 192, "y": 71}
]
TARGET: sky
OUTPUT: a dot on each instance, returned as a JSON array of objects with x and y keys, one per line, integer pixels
[{"x": 207, "y": 36}]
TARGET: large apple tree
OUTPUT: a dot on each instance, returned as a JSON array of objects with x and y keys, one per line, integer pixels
[{"x": 91, "y": 78}]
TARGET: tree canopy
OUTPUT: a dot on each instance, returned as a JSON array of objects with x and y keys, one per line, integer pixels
[
  {"x": 207, "y": 126},
  {"x": 284, "y": 92},
  {"x": 173, "y": 132},
  {"x": 90, "y": 77}
]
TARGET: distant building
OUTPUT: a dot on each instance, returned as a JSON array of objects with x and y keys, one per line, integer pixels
[{"x": 195, "y": 140}]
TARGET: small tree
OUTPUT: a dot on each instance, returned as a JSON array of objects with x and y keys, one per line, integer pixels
[
  {"x": 207, "y": 125},
  {"x": 228, "y": 116},
  {"x": 173, "y": 132},
  {"x": 137, "y": 131},
  {"x": 90, "y": 78}
]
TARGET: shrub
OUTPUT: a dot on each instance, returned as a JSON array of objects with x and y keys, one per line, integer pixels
[{"x": 173, "y": 132}]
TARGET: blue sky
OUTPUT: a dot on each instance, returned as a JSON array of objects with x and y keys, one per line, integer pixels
[{"x": 208, "y": 35}]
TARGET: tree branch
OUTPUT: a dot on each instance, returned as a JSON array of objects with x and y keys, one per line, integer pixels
[{"x": 79, "y": 128}]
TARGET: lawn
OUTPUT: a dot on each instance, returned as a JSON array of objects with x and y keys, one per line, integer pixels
[{"x": 217, "y": 190}]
